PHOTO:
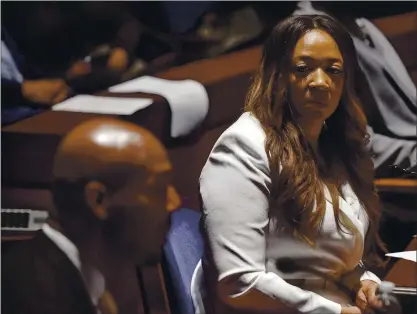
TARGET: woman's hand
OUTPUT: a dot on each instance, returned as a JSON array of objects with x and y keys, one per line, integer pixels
[{"x": 366, "y": 296}]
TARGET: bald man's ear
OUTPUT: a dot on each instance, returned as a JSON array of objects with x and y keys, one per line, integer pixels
[
  {"x": 96, "y": 199},
  {"x": 173, "y": 199}
]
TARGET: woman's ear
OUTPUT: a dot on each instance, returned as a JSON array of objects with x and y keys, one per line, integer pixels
[{"x": 95, "y": 194}]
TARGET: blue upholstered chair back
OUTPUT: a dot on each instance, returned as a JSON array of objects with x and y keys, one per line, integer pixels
[
  {"x": 17, "y": 113},
  {"x": 183, "y": 250}
]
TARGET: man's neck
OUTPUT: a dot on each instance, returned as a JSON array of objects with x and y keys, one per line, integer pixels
[
  {"x": 93, "y": 249},
  {"x": 88, "y": 247}
]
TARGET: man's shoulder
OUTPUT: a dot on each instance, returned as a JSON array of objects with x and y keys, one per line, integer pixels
[
  {"x": 23, "y": 258},
  {"x": 20, "y": 268},
  {"x": 37, "y": 275},
  {"x": 20, "y": 248}
]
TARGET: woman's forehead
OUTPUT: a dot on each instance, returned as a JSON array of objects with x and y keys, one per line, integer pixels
[{"x": 317, "y": 45}]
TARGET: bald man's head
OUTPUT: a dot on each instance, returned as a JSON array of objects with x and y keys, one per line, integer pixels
[
  {"x": 116, "y": 176},
  {"x": 105, "y": 147}
]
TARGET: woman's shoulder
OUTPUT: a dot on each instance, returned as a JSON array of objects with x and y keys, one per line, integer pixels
[
  {"x": 244, "y": 138},
  {"x": 246, "y": 128},
  {"x": 241, "y": 147}
]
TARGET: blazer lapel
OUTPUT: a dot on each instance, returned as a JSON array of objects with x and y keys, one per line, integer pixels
[{"x": 348, "y": 212}]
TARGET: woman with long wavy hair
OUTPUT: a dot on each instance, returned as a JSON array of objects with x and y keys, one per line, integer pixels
[{"x": 290, "y": 212}]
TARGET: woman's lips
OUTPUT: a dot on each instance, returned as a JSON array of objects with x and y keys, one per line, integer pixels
[{"x": 317, "y": 102}]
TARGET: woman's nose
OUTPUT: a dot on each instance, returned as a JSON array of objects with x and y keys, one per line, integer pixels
[{"x": 319, "y": 79}]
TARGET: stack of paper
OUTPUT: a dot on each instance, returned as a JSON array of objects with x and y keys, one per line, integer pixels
[
  {"x": 103, "y": 105},
  {"x": 408, "y": 255},
  {"x": 188, "y": 100}
]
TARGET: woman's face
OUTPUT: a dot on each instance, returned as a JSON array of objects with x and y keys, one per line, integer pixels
[{"x": 316, "y": 76}]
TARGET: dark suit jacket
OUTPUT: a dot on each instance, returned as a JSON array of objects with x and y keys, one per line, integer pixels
[{"x": 38, "y": 278}]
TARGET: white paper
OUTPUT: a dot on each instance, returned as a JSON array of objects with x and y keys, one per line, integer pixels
[
  {"x": 188, "y": 100},
  {"x": 103, "y": 105},
  {"x": 408, "y": 255}
]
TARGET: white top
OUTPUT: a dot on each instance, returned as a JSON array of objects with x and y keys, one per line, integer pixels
[
  {"x": 93, "y": 279},
  {"x": 234, "y": 187}
]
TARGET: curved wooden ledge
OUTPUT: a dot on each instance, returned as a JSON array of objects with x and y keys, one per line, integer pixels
[{"x": 406, "y": 186}]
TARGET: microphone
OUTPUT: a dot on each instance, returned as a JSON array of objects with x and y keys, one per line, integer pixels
[{"x": 386, "y": 294}]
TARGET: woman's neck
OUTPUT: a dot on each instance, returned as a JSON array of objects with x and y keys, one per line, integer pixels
[{"x": 311, "y": 131}]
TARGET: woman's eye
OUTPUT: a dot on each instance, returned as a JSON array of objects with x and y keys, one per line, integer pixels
[
  {"x": 334, "y": 70},
  {"x": 301, "y": 68}
]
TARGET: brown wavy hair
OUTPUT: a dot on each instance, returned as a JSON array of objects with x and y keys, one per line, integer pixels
[{"x": 297, "y": 176}]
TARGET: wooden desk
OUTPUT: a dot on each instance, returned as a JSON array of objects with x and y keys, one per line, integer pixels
[
  {"x": 399, "y": 197},
  {"x": 399, "y": 186},
  {"x": 404, "y": 272}
]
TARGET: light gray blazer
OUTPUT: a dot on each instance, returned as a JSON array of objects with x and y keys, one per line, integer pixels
[{"x": 244, "y": 246}]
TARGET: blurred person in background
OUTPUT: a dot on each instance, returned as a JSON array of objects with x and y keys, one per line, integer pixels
[
  {"x": 112, "y": 201},
  {"x": 91, "y": 43},
  {"x": 24, "y": 89}
]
